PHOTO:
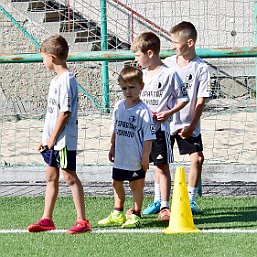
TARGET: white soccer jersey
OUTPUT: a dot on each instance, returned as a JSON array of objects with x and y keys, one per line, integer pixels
[
  {"x": 62, "y": 97},
  {"x": 161, "y": 92},
  {"x": 132, "y": 128},
  {"x": 196, "y": 79}
]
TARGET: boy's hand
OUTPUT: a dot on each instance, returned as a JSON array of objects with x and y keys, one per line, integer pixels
[
  {"x": 162, "y": 116},
  {"x": 145, "y": 163},
  {"x": 50, "y": 142},
  {"x": 186, "y": 132},
  {"x": 111, "y": 154},
  {"x": 39, "y": 146}
]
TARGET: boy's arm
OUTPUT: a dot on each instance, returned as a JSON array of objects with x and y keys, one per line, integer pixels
[
  {"x": 60, "y": 124},
  {"x": 145, "y": 154},
  {"x": 187, "y": 131},
  {"x": 112, "y": 148},
  {"x": 162, "y": 116}
]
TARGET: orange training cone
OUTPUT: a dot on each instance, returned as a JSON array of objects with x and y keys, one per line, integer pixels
[{"x": 181, "y": 218}]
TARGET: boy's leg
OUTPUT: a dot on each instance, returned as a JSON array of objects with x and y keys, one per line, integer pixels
[
  {"x": 52, "y": 186},
  {"x": 51, "y": 193},
  {"x": 196, "y": 162},
  {"x": 137, "y": 188},
  {"x": 76, "y": 187},
  {"x": 82, "y": 224},
  {"x": 119, "y": 195},
  {"x": 165, "y": 186},
  {"x": 134, "y": 219},
  {"x": 165, "y": 183},
  {"x": 117, "y": 217},
  {"x": 154, "y": 207},
  {"x": 157, "y": 191}
]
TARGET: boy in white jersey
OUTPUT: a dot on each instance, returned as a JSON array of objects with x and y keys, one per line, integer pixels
[
  {"x": 185, "y": 126},
  {"x": 131, "y": 142},
  {"x": 164, "y": 95},
  {"x": 59, "y": 139}
]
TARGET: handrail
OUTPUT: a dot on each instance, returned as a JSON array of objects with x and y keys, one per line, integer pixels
[
  {"x": 166, "y": 33},
  {"x": 37, "y": 44},
  {"x": 19, "y": 27},
  {"x": 125, "y": 55}
]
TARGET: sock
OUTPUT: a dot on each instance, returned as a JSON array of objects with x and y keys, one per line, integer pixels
[
  {"x": 118, "y": 210},
  {"x": 138, "y": 213},
  {"x": 192, "y": 193},
  {"x": 157, "y": 192},
  {"x": 165, "y": 204}
]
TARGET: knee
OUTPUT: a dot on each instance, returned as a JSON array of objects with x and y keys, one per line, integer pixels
[
  {"x": 52, "y": 178},
  {"x": 198, "y": 160},
  {"x": 70, "y": 179},
  {"x": 117, "y": 184}
]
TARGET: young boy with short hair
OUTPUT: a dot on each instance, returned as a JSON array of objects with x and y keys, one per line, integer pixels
[
  {"x": 164, "y": 95},
  {"x": 185, "y": 126},
  {"x": 131, "y": 142},
  {"x": 59, "y": 140}
]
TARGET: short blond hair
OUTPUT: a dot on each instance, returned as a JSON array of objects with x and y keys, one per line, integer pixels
[
  {"x": 185, "y": 29},
  {"x": 131, "y": 75},
  {"x": 146, "y": 41},
  {"x": 56, "y": 45}
]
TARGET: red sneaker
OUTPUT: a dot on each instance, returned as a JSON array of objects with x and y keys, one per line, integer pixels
[
  {"x": 42, "y": 225},
  {"x": 81, "y": 226},
  {"x": 164, "y": 215}
]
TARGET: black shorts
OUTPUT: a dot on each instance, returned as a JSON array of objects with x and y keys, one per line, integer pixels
[
  {"x": 161, "y": 152},
  {"x": 188, "y": 145},
  {"x": 122, "y": 175},
  {"x": 52, "y": 158}
]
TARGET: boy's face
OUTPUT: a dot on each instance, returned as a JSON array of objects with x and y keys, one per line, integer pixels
[
  {"x": 48, "y": 61},
  {"x": 143, "y": 59},
  {"x": 131, "y": 92},
  {"x": 181, "y": 45}
]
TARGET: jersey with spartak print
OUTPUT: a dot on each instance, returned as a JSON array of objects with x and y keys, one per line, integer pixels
[
  {"x": 132, "y": 127},
  {"x": 162, "y": 91}
]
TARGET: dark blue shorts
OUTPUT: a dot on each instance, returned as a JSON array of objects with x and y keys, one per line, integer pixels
[
  {"x": 188, "y": 145},
  {"x": 122, "y": 175},
  {"x": 53, "y": 159}
]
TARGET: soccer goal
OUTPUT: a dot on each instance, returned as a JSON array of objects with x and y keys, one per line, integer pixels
[{"x": 226, "y": 40}]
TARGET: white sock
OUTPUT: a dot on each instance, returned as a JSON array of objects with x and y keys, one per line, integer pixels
[
  {"x": 192, "y": 193},
  {"x": 165, "y": 204},
  {"x": 157, "y": 192}
]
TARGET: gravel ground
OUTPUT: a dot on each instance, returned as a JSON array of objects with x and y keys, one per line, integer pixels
[{"x": 241, "y": 189}]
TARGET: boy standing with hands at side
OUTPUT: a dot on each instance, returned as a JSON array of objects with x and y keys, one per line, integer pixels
[
  {"x": 59, "y": 139},
  {"x": 164, "y": 95},
  {"x": 131, "y": 142}
]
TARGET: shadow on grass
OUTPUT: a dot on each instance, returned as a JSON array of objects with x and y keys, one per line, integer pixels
[{"x": 239, "y": 218}]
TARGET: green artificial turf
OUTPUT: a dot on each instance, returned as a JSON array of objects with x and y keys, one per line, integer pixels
[{"x": 218, "y": 213}]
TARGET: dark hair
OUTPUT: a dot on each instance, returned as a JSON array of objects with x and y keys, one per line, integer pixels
[
  {"x": 55, "y": 45},
  {"x": 131, "y": 75},
  {"x": 146, "y": 41},
  {"x": 185, "y": 29}
]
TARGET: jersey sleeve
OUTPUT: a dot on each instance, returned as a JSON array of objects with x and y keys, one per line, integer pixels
[
  {"x": 204, "y": 89},
  {"x": 66, "y": 93},
  {"x": 148, "y": 126}
]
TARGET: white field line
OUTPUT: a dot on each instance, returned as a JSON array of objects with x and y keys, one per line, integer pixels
[{"x": 139, "y": 231}]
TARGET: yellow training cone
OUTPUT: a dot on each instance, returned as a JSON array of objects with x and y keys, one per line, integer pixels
[{"x": 181, "y": 218}]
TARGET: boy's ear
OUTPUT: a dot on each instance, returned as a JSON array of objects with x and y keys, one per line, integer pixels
[
  {"x": 150, "y": 53},
  {"x": 190, "y": 42}
]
